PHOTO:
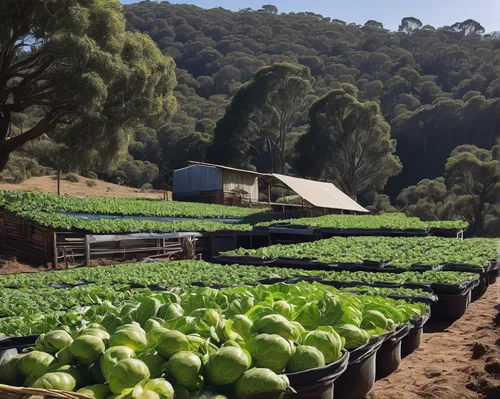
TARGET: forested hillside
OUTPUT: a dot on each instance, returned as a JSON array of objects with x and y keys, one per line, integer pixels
[{"x": 437, "y": 88}]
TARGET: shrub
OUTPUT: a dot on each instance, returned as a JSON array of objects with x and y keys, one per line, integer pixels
[
  {"x": 72, "y": 178},
  {"x": 90, "y": 183},
  {"x": 146, "y": 186},
  {"x": 92, "y": 175}
]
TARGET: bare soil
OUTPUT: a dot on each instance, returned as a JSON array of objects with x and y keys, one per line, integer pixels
[
  {"x": 460, "y": 362},
  {"x": 48, "y": 184}
]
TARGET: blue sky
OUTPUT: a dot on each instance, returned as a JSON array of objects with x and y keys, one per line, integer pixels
[{"x": 390, "y": 12}]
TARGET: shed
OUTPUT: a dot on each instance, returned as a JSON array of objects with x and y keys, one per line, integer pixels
[{"x": 203, "y": 182}]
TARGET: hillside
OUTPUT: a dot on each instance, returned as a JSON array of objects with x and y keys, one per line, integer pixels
[
  {"x": 438, "y": 87},
  {"x": 47, "y": 184}
]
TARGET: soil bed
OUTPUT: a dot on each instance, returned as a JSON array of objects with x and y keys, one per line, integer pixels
[{"x": 461, "y": 361}]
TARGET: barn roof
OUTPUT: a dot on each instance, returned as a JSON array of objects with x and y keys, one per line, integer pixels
[{"x": 318, "y": 194}]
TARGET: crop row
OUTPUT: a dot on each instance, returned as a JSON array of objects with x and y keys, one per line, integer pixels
[
  {"x": 395, "y": 221},
  {"x": 401, "y": 252},
  {"x": 58, "y": 221},
  {"x": 237, "y": 341},
  {"x": 18, "y": 201},
  {"x": 186, "y": 273}
]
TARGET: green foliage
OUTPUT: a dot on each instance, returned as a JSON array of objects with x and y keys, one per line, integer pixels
[
  {"x": 89, "y": 80},
  {"x": 71, "y": 177},
  {"x": 395, "y": 221},
  {"x": 473, "y": 175},
  {"x": 260, "y": 116},
  {"x": 397, "y": 251},
  {"x": 90, "y": 183},
  {"x": 349, "y": 143}
]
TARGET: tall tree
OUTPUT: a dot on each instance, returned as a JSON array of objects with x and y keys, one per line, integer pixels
[
  {"x": 468, "y": 28},
  {"x": 349, "y": 143},
  {"x": 261, "y": 115},
  {"x": 86, "y": 76},
  {"x": 473, "y": 175},
  {"x": 409, "y": 24}
]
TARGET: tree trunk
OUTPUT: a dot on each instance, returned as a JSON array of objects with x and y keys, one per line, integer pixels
[{"x": 4, "y": 157}]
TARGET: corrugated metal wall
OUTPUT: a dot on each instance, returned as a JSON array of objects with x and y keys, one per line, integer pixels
[
  {"x": 245, "y": 181},
  {"x": 197, "y": 178}
]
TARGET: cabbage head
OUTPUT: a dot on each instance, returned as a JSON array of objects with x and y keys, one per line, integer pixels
[
  {"x": 56, "y": 380},
  {"x": 284, "y": 308},
  {"x": 330, "y": 344},
  {"x": 147, "y": 309},
  {"x": 170, "y": 311},
  {"x": 151, "y": 324},
  {"x": 97, "y": 391},
  {"x": 185, "y": 368},
  {"x": 258, "y": 380},
  {"x": 305, "y": 358},
  {"x": 277, "y": 324},
  {"x": 8, "y": 371},
  {"x": 34, "y": 363},
  {"x": 227, "y": 365},
  {"x": 132, "y": 336},
  {"x": 154, "y": 362},
  {"x": 373, "y": 319},
  {"x": 53, "y": 341},
  {"x": 112, "y": 356},
  {"x": 97, "y": 332},
  {"x": 160, "y": 386},
  {"x": 126, "y": 374},
  {"x": 270, "y": 351},
  {"x": 172, "y": 342},
  {"x": 87, "y": 349},
  {"x": 154, "y": 334},
  {"x": 354, "y": 336}
]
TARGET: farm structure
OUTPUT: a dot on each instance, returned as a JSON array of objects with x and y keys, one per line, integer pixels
[
  {"x": 59, "y": 247},
  {"x": 211, "y": 183}
]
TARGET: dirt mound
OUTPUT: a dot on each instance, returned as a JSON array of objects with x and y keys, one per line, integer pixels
[
  {"x": 460, "y": 362},
  {"x": 48, "y": 184}
]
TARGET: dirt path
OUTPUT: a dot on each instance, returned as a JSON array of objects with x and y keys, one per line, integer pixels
[{"x": 459, "y": 362}]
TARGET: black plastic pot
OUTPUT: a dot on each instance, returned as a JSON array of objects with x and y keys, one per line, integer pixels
[
  {"x": 358, "y": 378},
  {"x": 317, "y": 383},
  {"x": 414, "y": 338},
  {"x": 389, "y": 354},
  {"x": 450, "y": 307},
  {"x": 492, "y": 276},
  {"x": 481, "y": 288}
]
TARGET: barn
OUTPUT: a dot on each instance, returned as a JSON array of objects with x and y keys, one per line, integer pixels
[
  {"x": 217, "y": 184},
  {"x": 210, "y": 183}
]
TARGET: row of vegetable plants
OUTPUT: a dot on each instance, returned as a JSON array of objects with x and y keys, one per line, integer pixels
[
  {"x": 187, "y": 273},
  {"x": 18, "y": 201},
  {"x": 59, "y": 221},
  {"x": 201, "y": 341},
  {"x": 399, "y": 252},
  {"x": 25, "y": 295},
  {"x": 394, "y": 221}
]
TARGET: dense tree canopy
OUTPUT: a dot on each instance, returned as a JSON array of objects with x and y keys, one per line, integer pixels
[
  {"x": 349, "y": 143},
  {"x": 437, "y": 87},
  {"x": 74, "y": 69}
]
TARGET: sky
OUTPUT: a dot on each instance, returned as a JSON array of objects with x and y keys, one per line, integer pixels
[{"x": 390, "y": 12}]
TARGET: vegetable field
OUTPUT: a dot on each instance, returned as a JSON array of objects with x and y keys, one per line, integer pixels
[
  {"x": 192, "y": 329},
  {"x": 395, "y": 251}
]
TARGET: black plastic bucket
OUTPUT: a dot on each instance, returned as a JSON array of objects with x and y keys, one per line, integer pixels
[
  {"x": 358, "y": 379},
  {"x": 450, "y": 307},
  {"x": 389, "y": 354},
  {"x": 414, "y": 338},
  {"x": 317, "y": 383}
]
